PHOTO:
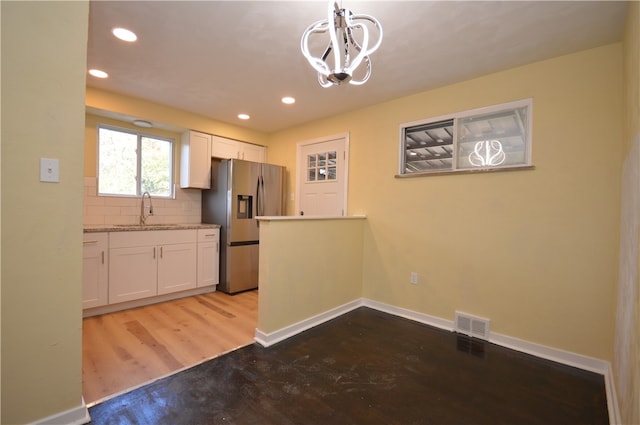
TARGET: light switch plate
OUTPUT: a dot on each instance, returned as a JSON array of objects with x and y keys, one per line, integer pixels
[{"x": 49, "y": 170}]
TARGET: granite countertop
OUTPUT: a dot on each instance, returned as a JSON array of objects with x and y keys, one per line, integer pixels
[{"x": 136, "y": 227}]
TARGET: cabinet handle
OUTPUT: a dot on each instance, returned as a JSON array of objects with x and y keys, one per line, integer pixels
[
  {"x": 154, "y": 252},
  {"x": 102, "y": 255},
  {"x": 87, "y": 242},
  {"x": 217, "y": 247},
  {"x": 209, "y": 236},
  {"x": 161, "y": 252}
]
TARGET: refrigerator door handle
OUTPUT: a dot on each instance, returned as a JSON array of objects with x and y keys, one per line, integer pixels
[
  {"x": 260, "y": 196},
  {"x": 258, "y": 200},
  {"x": 263, "y": 195}
]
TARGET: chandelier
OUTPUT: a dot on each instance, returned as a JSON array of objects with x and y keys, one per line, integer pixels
[{"x": 349, "y": 42}]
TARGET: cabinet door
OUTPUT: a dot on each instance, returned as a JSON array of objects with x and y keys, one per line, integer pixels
[
  {"x": 195, "y": 160},
  {"x": 176, "y": 267},
  {"x": 224, "y": 148},
  {"x": 208, "y": 257},
  {"x": 133, "y": 273},
  {"x": 95, "y": 260},
  {"x": 254, "y": 153}
]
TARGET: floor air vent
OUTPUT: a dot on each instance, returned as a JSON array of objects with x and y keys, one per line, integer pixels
[{"x": 474, "y": 326}]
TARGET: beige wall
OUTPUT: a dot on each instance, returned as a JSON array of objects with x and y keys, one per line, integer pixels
[
  {"x": 309, "y": 267},
  {"x": 626, "y": 362},
  {"x": 43, "y": 76},
  {"x": 141, "y": 109},
  {"x": 535, "y": 251}
]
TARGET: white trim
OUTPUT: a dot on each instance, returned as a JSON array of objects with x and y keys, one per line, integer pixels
[
  {"x": 299, "y": 162},
  {"x": 268, "y": 339},
  {"x": 554, "y": 354},
  {"x": 76, "y": 416},
  {"x": 612, "y": 396},
  {"x": 307, "y": 217},
  {"x": 434, "y": 321},
  {"x": 111, "y": 308}
]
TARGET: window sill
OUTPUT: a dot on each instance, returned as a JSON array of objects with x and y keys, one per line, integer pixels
[{"x": 467, "y": 171}]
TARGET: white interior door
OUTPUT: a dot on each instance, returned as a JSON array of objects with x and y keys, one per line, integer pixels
[{"x": 322, "y": 174}]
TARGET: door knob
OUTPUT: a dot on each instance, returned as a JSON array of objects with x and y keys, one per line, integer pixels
[{"x": 301, "y": 212}]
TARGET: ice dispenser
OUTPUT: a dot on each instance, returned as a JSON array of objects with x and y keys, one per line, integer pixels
[{"x": 245, "y": 206}]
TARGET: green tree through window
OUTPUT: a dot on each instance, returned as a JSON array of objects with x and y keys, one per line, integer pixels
[{"x": 130, "y": 164}]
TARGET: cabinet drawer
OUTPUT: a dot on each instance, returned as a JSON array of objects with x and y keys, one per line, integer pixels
[
  {"x": 151, "y": 237},
  {"x": 208, "y": 235}
]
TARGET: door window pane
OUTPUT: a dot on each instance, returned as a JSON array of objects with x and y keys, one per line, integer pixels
[{"x": 322, "y": 167}]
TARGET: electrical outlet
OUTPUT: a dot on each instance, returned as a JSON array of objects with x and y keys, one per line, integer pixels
[{"x": 414, "y": 278}]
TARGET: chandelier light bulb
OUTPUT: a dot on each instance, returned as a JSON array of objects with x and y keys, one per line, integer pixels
[{"x": 350, "y": 43}]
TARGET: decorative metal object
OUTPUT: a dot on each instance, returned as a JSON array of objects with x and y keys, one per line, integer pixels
[{"x": 350, "y": 43}]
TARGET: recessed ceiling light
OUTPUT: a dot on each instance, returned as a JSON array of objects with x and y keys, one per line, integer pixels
[
  {"x": 98, "y": 74},
  {"x": 124, "y": 34},
  {"x": 142, "y": 123},
  {"x": 243, "y": 116},
  {"x": 288, "y": 100}
]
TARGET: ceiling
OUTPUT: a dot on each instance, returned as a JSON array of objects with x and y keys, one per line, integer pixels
[{"x": 222, "y": 58}]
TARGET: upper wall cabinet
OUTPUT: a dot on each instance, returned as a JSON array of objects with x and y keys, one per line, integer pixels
[
  {"x": 228, "y": 149},
  {"x": 195, "y": 160}
]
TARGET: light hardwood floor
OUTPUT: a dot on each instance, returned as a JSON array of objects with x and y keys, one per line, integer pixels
[{"x": 128, "y": 348}]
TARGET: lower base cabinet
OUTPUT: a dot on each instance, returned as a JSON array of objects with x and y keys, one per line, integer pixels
[
  {"x": 208, "y": 257},
  {"x": 149, "y": 263},
  {"x": 95, "y": 269},
  {"x": 119, "y": 267},
  {"x": 133, "y": 273},
  {"x": 177, "y": 268}
]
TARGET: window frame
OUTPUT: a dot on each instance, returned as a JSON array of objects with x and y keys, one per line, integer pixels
[
  {"x": 139, "y": 135},
  {"x": 455, "y": 118}
]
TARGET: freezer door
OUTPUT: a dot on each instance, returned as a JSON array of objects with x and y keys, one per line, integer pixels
[
  {"x": 240, "y": 268},
  {"x": 242, "y": 201},
  {"x": 272, "y": 181}
]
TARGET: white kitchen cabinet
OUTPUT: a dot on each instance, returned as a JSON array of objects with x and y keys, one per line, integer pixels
[
  {"x": 195, "y": 160},
  {"x": 254, "y": 153},
  {"x": 233, "y": 149},
  {"x": 177, "y": 267},
  {"x": 149, "y": 263},
  {"x": 133, "y": 273},
  {"x": 95, "y": 269},
  {"x": 208, "y": 257}
]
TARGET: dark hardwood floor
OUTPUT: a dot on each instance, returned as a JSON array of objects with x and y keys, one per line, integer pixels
[{"x": 367, "y": 367}]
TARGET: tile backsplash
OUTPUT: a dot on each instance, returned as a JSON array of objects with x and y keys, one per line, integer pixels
[{"x": 98, "y": 210}]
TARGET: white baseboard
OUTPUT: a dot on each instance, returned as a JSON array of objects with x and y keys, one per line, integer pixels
[
  {"x": 76, "y": 416},
  {"x": 268, "y": 339},
  {"x": 554, "y": 354},
  {"x": 612, "y": 397},
  {"x": 111, "y": 308},
  {"x": 434, "y": 321}
]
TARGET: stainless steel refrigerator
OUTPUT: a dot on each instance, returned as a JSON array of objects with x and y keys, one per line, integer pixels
[{"x": 241, "y": 191}]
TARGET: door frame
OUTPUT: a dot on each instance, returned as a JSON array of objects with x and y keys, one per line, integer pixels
[{"x": 300, "y": 166}]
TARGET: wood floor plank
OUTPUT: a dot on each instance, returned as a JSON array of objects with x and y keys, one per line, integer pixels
[{"x": 128, "y": 348}]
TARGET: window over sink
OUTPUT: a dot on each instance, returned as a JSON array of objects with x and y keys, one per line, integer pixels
[{"x": 131, "y": 163}]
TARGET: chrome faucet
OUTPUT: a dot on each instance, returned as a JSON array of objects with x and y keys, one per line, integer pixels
[{"x": 143, "y": 216}]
